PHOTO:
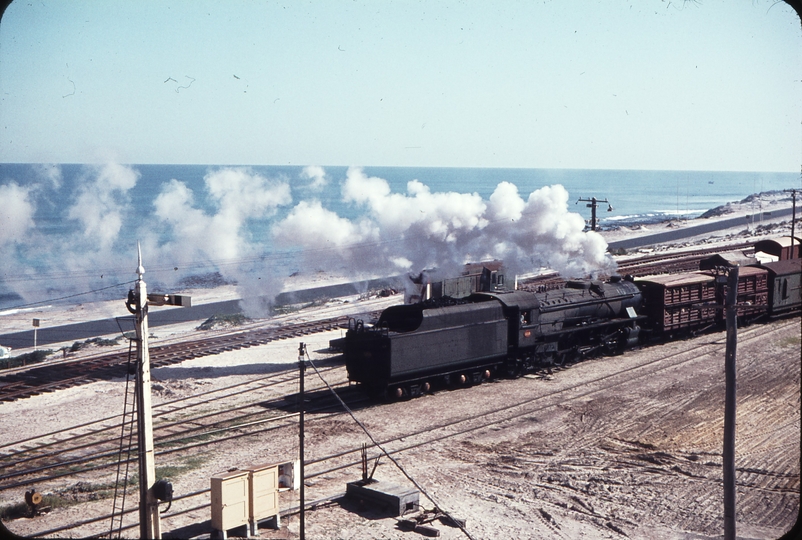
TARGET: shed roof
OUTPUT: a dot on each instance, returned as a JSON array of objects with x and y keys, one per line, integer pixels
[
  {"x": 743, "y": 271},
  {"x": 476, "y": 268}
]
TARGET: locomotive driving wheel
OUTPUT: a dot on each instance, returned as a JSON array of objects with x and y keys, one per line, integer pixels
[
  {"x": 616, "y": 344},
  {"x": 513, "y": 370},
  {"x": 547, "y": 359}
]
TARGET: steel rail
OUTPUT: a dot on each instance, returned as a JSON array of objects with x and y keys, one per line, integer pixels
[
  {"x": 177, "y": 436},
  {"x": 753, "y": 336},
  {"x": 117, "y": 425},
  {"x": 115, "y": 453},
  {"x": 495, "y": 411},
  {"x": 24, "y": 384}
]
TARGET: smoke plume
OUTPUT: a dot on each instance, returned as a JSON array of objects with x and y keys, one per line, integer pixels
[
  {"x": 217, "y": 238},
  {"x": 16, "y": 213},
  {"x": 246, "y": 227},
  {"x": 421, "y": 229}
]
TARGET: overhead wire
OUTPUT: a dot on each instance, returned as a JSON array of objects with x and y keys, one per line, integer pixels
[
  {"x": 123, "y": 449},
  {"x": 50, "y": 300},
  {"x": 383, "y": 450},
  {"x": 212, "y": 264},
  {"x": 237, "y": 261}
]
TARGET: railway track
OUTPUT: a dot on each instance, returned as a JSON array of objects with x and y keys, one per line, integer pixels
[
  {"x": 667, "y": 263},
  {"x": 558, "y": 398},
  {"x": 98, "y": 449},
  {"x": 51, "y": 377}
]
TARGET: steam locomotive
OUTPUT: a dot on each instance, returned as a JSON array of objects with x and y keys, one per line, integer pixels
[{"x": 449, "y": 342}]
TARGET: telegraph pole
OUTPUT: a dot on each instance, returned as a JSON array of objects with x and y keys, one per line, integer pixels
[
  {"x": 593, "y": 203},
  {"x": 793, "y": 219}
]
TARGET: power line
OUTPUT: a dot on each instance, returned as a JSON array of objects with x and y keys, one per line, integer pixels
[
  {"x": 69, "y": 296},
  {"x": 272, "y": 256}
]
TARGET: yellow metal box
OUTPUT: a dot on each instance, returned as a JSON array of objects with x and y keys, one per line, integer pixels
[
  {"x": 230, "y": 500},
  {"x": 263, "y": 486}
]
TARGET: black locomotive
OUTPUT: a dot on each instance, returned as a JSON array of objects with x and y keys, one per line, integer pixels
[{"x": 451, "y": 342}]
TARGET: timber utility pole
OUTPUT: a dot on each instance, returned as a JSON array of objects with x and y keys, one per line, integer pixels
[
  {"x": 138, "y": 301},
  {"x": 793, "y": 219},
  {"x": 302, "y": 369},
  {"x": 728, "y": 457},
  {"x": 728, "y": 276},
  {"x": 593, "y": 202}
]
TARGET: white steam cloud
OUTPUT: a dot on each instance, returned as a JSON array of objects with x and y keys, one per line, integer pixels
[
  {"x": 317, "y": 175},
  {"x": 422, "y": 229},
  {"x": 239, "y": 194},
  {"x": 98, "y": 203},
  {"x": 36, "y": 264},
  {"x": 232, "y": 227},
  {"x": 16, "y": 213}
]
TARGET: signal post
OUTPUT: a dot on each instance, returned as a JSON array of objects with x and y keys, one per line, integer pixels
[{"x": 137, "y": 304}]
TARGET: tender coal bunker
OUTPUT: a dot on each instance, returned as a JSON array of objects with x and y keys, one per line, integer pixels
[{"x": 405, "y": 318}]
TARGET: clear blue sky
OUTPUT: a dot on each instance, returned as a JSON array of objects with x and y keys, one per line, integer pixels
[{"x": 648, "y": 84}]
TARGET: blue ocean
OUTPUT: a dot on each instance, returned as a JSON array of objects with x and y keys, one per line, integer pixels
[{"x": 71, "y": 231}]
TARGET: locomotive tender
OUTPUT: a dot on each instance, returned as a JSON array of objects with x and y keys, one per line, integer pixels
[{"x": 451, "y": 342}]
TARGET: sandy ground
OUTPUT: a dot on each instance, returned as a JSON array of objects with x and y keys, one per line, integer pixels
[
  {"x": 613, "y": 447},
  {"x": 591, "y": 454}
]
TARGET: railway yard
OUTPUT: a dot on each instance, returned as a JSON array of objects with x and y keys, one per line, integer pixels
[{"x": 625, "y": 446}]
